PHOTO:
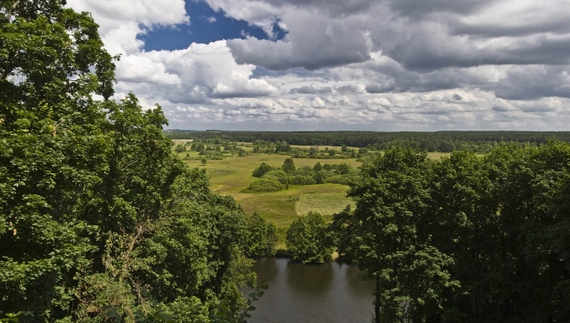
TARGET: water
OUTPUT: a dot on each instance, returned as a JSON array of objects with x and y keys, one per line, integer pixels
[{"x": 298, "y": 293}]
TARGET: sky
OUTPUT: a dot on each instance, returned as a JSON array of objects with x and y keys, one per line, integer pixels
[{"x": 383, "y": 65}]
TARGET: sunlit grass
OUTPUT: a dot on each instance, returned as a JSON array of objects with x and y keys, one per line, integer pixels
[
  {"x": 323, "y": 203},
  {"x": 231, "y": 176}
]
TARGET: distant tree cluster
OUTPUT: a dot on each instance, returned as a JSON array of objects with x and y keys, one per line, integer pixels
[
  {"x": 466, "y": 238},
  {"x": 276, "y": 179}
]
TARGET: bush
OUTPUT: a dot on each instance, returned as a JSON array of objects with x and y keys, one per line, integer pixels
[
  {"x": 261, "y": 237},
  {"x": 261, "y": 170},
  {"x": 341, "y": 179},
  {"x": 302, "y": 180},
  {"x": 265, "y": 185}
]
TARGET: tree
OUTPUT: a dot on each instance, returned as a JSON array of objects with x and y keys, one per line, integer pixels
[
  {"x": 288, "y": 166},
  {"x": 261, "y": 170},
  {"x": 87, "y": 190},
  {"x": 343, "y": 169},
  {"x": 308, "y": 239},
  {"x": 180, "y": 148},
  {"x": 318, "y": 167},
  {"x": 313, "y": 151},
  {"x": 261, "y": 237},
  {"x": 381, "y": 236},
  {"x": 51, "y": 63}
]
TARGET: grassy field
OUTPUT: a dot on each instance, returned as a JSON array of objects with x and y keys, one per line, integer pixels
[{"x": 232, "y": 175}]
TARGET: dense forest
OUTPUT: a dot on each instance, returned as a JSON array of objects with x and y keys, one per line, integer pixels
[
  {"x": 442, "y": 141},
  {"x": 100, "y": 221},
  {"x": 467, "y": 238}
]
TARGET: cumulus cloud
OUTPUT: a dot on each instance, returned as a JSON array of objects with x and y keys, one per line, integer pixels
[
  {"x": 352, "y": 64},
  {"x": 121, "y": 21},
  {"x": 311, "y": 89},
  {"x": 199, "y": 73}
]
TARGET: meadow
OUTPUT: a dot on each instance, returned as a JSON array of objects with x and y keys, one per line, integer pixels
[{"x": 232, "y": 175}]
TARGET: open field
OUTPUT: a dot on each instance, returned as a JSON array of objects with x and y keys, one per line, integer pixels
[{"x": 232, "y": 175}]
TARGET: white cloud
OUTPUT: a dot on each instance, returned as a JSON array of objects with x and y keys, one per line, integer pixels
[{"x": 359, "y": 64}]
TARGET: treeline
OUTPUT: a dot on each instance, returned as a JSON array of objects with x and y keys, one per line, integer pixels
[
  {"x": 465, "y": 238},
  {"x": 443, "y": 141},
  {"x": 100, "y": 221}
]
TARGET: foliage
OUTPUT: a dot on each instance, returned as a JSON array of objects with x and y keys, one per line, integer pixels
[
  {"x": 99, "y": 219},
  {"x": 442, "y": 141},
  {"x": 261, "y": 170},
  {"x": 288, "y": 166},
  {"x": 465, "y": 238},
  {"x": 308, "y": 240},
  {"x": 261, "y": 237},
  {"x": 265, "y": 185},
  {"x": 180, "y": 148}
]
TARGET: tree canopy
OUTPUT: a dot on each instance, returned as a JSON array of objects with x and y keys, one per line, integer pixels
[
  {"x": 99, "y": 220},
  {"x": 466, "y": 238}
]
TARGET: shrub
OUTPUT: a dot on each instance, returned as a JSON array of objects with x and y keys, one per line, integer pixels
[
  {"x": 302, "y": 180},
  {"x": 261, "y": 170},
  {"x": 265, "y": 185},
  {"x": 341, "y": 179}
]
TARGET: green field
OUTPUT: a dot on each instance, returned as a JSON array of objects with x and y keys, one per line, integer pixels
[{"x": 232, "y": 175}]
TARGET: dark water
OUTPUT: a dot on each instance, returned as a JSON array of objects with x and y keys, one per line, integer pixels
[{"x": 298, "y": 293}]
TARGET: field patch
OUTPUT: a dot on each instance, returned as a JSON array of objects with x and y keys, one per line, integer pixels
[{"x": 323, "y": 203}]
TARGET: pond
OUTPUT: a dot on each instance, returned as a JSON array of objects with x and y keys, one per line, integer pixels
[{"x": 328, "y": 293}]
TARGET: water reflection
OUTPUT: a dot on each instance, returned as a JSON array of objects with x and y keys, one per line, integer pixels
[
  {"x": 309, "y": 280},
  {"x": 266, "y": 269},
  {"x": 307, "y": 293}
]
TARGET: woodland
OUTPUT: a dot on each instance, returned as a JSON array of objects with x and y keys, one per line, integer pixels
[{"x": 101, "y": 220}]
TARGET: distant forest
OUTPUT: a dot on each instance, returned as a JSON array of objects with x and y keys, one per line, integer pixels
[{"x": 443, "y": 141}]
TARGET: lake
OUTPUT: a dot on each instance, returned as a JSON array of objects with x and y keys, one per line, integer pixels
[{"x": 328, "y": 293}]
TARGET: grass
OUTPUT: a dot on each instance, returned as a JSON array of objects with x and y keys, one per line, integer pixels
[
  {"x": 323, "y": 203},
  {"x": 232, "y": 175}
]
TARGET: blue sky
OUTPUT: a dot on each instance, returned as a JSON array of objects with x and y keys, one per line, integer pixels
[
  {"x": 384, "y": 65},
  {"x": 206, "y": 26}
]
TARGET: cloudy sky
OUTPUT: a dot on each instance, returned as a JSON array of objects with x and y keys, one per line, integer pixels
[{"x": 383, "y": 65}]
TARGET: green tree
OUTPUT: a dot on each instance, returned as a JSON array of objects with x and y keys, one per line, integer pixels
[
  {"x": 308, "y": 239},
  {"x": 288, "y": 166},
  {"x": 381, "y": 236},
  {"x": 261, "y": 170},
  {"x": 343, "y": 169},
  {"x": 87, "y": 190},
  {"x": 51, "y": 63},
  {"x": 180, "y": 148},
  {"x": 261, "y": 237},
  {"x": 318, "y": 167}
]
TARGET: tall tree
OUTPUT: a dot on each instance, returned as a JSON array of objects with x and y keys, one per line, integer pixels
[
  {"x": 381, "y": 236},
  {"x": 87, "y": 190}
]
